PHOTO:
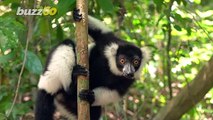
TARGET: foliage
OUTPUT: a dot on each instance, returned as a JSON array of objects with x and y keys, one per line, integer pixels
[{"x": 142, "y": 22}]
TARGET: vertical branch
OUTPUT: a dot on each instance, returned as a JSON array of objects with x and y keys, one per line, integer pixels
[
  {"x": 120, "y": 14},
  {"x": 1, "y": 75},
  {"x": 82, "y": 56},
  {"x": 169, "y": 38}
]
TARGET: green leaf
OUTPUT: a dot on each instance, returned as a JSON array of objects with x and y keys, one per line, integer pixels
[
  {"x": 184, "y": 2},
  {"x": 178, "y": 1},
  {"x": 136, "y": 22},
  {"x": 33, "y": 63},
  {"x": 11, "y": 24},
  {"x": 6, "y": 58},
  {"x": 64, "y": 6},
  {"x": 44, "y": 27},
  {"x": 7, "y": 2},
  {"x": 8, "y": 39},
  {"x": 106, "y": 5},
  {"x": 178, "y": 17},
  {"x": 22, "y": 108},
  {"x": 197, "y": 1},
  {"x": 159, "y": 4},
  {"x": 160, "y": 18},
  {"x": 60, "y": 35},
  {"x": 3, "y": 116},
  {"x": 164, "y": 26},
  {"x": 189, "y": 31},
  {"x": 5, "y": 102},
  {"x": 177, "y": 27},
  {"x": 9, "y": 29},
  {"x": 189, "y": 20}
]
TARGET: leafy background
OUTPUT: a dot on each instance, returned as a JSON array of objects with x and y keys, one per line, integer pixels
[{"x": 178, "y": 33}]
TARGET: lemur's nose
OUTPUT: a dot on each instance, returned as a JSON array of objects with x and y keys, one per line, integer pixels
[{"x": 128, "y": 70}]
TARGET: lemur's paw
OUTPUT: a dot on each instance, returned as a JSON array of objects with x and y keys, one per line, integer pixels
[
  {"x": 87, "y": 95},
  {"x": 80, "y": 70},
  {"x": 76, "y": 15}
]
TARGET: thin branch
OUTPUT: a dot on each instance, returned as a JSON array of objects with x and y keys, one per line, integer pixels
[
  {"x": 120, "y": 14},
  {"x": 1, "y": 74},
  {"x": 168, "y": 50},
  {"x": 29, "y": 37}
]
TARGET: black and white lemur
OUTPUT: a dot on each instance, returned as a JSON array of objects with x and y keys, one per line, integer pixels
[{"x": 114, "y": 65}]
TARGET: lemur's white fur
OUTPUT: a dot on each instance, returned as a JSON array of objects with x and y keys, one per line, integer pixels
[
  {"x": 59, "y": 70},
  {"x": 145, "y": 58},
  {"x": 98, "y": 25},
  {"x": 110, "y": 53},
  {"x": 104, "y": 96}
]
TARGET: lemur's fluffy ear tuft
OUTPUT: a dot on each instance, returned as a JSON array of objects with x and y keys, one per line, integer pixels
[
  {"x": 96, "y": 24},
  {"x": 146, "y": 53}
]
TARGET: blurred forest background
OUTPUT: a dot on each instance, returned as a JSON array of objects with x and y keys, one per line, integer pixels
[{"x": 176, "y": 83}]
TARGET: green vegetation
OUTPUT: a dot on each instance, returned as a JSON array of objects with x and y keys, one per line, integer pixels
[{"x": 178, "y": 33}]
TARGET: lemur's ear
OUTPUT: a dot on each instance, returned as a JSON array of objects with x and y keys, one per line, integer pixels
[
  {"x": 95, "y": 24},
  {"x": 146, "y": 54}
]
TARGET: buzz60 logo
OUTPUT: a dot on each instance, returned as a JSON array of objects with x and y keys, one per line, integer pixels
[{"x": 44, "y": 11}]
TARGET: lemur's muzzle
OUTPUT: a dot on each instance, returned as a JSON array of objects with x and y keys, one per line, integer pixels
[{"x": 128, "y": 70}]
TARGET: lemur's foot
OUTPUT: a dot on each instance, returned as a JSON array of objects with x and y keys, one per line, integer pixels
[
  {"x": 76, "y": 15},
  {"x": 80, "y": 70},
  {"x": 87, "y": 95}
]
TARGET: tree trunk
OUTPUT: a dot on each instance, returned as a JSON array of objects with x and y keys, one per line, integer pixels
[
  {"x": 82, "y": 56},
  {"x": 189, "y": 96}
]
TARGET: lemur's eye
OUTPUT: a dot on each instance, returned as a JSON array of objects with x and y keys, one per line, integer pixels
[
  {"x": 135, "y": 62},
  {"x": 122, "y": 61}
]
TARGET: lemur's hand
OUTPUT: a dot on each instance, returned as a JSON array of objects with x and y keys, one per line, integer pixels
[
  {"x": 80, "y": 70},
  {"x": 76, "y": 15},
  {"x": 77, "y": 70},
  {"x": 87, "y": 95}
]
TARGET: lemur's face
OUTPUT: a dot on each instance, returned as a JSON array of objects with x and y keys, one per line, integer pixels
[{"x": 128, "y": 60}]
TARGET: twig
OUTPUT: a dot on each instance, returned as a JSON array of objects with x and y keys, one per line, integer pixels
[
  {"x": 1, "y": 74},
  {"x": 29, "y": 37},
  {"x": 168, "y": 50}
]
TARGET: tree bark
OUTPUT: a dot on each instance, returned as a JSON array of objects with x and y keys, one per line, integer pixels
[
  {"x": 82, "y": 56},
  {"x": 189, "y": 96}
]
